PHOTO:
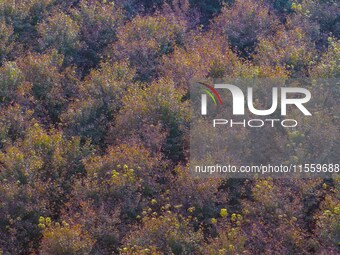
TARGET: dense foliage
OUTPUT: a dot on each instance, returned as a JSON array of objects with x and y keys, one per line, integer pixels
[{"x": 94, "y": 124}]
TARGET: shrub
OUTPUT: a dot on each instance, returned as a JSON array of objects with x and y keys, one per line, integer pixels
[
  {"x": 231, "y": 240},
  {"x": 328, "y": 67},
  {"x": 145, "y": 40},
  {"x": 244, "y": 22},
  {"x": 133, "y": 7},
  {"x": 208, "y": 8},
  {"x": 11, "y": 78},
  {"x": 6, "y": 45},
  {"x": 159, "y": 103},
  {"x": 320, "y": 137},
  {"x": 290, "y": 49},
  {"x": 23, "y": 16},
  {"x": 43, "y": 73},
  {"x": 14, "y": 121},
  {"x": 107, "y": 201},
  {"x": 99, "y": 99},
  {"x": 138, "y": 250},
  {"x": 126, "y": 173},
  {"x": 115, "y": 194},
  {"x": 136, "y": 157},
  {"x": 206, "y": 56},
  {"x": 65, "y": 239},
  {"x": 328, "y": 221},
  {"x": 277, "y": 212},
  {"x": 323, "y": 13},
  {"x": 201, "y": 195},
  {"x": 98, "y": 22},
  {"x": 20, "y": 208},
  {"x": 45, "y": 157},
  {"x": 282, "y": 6},
  {"x": 170, "y": 233},
  {"x": 60, "y": 32}
]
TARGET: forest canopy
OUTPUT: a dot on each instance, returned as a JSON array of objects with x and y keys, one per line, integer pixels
[{"x": 94, "y": 127}]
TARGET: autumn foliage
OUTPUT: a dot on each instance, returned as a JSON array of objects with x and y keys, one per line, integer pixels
[{"x": 94, "y": 127}]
